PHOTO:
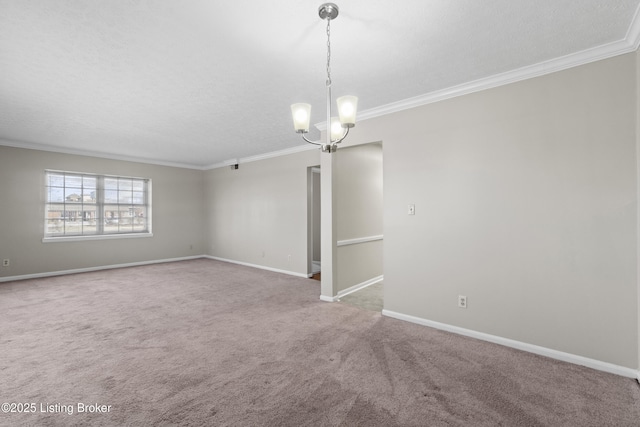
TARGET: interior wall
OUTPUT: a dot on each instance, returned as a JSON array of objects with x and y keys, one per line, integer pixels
[
  {"x": 638, "y": 180},
  {"x": 177, "y": 215},
  {"x": 358, "y": 215},
  {"x": 526, "y": 203},
  {"x": 257, "y": 214}
]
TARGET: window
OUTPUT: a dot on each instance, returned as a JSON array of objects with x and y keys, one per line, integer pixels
[{"x": 80, "y": 204}]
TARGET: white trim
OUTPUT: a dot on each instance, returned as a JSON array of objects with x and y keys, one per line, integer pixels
[
  {"x": 328, "y": 299},
  {"x": 76, "y": 152},
  {"x": 348, "y": 242},
  {"x": 58, "y": 239},
  {"x": 629, "y": 44},
  {"x": 89, "y": 269},
  {"x": 360, "y": 286},
  {"x": 531, "y": 348},
  {"x": 286, "y": 151},
  {"x": 316, "y": 266},
  {"x": 633, "y": 34},
  {"x": 261, "y": 267},
  {"x": 536, "y": 70}
]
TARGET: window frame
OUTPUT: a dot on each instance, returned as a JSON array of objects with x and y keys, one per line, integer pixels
[{"x": 98, "y": 202}]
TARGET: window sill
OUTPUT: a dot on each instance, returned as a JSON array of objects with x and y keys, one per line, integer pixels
[{"x": 58, "y": 239}]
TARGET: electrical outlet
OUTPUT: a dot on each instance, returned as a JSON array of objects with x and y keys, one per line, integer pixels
[
  {"x": 411, "y": 209},
  {"x": 5, "y": 262},
  {"x": 462, "y": 301}
]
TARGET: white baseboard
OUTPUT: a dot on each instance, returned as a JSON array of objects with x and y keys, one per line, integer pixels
[
  {"x": 351, "y": 289},
  {"x": 359, "y": 240},
  {"x": 359, "y": 286},
  {"x": 98, "y": 268},
  {"x": 531, "y": 348},
  {"x": 261, "y": 267},
  {"x": 135, "y": 264}
]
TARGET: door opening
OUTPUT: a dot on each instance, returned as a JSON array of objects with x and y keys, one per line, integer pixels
[{"x": 315, "y": 259}]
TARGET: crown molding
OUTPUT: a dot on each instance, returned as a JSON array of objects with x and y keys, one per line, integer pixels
[
  {"x": 286, "y": 151},
  {"x": 633, "y": 34},
  {"x": 226, "y": 163},
  {"x": 524, "y": 73},
  {"x": 62, "y": 150},
  {"x": 629, "y": 44}
]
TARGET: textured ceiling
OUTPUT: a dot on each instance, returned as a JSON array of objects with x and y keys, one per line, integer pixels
[{"x": 200, "y": 82}]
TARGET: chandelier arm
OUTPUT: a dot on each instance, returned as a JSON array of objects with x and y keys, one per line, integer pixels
[{"x": 311, "y": 142}]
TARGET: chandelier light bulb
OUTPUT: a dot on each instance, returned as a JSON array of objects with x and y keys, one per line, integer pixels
[
  {"x": 337, "y": 132},
  {"x": 301, "y": 113},
  {"x": 347, "y": 109},
  {"x": 301, "y": 116}
]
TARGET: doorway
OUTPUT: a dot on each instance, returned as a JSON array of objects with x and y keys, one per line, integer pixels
[
  {"x": 315, "y": 230},
  {"x": 358, "y": 179}
]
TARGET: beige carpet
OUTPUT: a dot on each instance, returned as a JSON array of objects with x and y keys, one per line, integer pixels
[
  {"x": 207, "y": 343},
  {"x": 369, "y": 298}
]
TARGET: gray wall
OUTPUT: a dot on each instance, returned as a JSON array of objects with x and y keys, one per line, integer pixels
[
  {"x": 178, "y": 212},
  {"x": 638, "y": 194},
  {"x": 359, "y": 208},
  {"x": 526, "y": 202},
  {"x": 257, "y": 214}
]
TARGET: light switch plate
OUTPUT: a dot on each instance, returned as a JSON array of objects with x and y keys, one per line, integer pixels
[{"x": 412, "y": 210}]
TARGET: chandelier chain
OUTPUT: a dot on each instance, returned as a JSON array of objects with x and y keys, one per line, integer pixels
[{"x": 328, "y": 52}]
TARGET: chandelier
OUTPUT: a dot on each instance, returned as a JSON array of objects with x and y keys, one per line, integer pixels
[{"x": 337, "y": 127}]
